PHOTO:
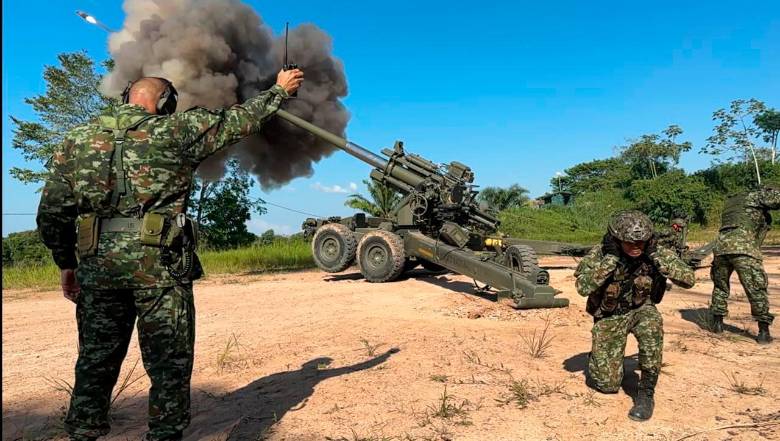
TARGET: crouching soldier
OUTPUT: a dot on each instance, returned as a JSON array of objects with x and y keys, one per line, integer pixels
[{"x": 624, "y": 278}]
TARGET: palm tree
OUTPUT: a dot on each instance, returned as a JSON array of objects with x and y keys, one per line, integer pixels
[
  {"x": 500, "y": 199},
  {"x": 381, "y": 203}
]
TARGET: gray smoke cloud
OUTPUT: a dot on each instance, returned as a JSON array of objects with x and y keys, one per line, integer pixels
[{"x": 218, "y": 53}]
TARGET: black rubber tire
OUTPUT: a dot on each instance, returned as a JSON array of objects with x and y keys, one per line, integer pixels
[
  {"x": 381, "y": 256},
  {"x": 522, "y": 259},
  {"x": 333, "y": 247},
  {"x": 432, "y": 267}
]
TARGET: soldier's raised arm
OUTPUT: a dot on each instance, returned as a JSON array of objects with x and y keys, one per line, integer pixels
[
  {"x": 204, "y": 132},
  {"x": 673, "y": 268},
  {"x": 594, "y": 270},
  {"x": 57, "y": 212}
]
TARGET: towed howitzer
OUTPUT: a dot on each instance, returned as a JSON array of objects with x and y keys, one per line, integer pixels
[{"x": 438, "y": 224}]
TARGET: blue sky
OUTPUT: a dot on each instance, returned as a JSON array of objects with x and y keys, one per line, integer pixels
[{"x": 517, "y": 90}]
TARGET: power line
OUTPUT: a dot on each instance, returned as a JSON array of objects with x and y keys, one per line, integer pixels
[
  {"x": 291, "y": 209},
  {"x": 267, "y": 202}
]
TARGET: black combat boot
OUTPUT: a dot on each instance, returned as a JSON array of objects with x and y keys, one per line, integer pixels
[
  {"x": 717, "y": 324},
  {"x": 644, "y": 403},
  {"x": 763, "y": 337}
]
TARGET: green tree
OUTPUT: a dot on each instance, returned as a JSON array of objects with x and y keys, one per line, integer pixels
[
  {"x": 670, "y": 194},
  {"x": 500, "y": 199},
  {"x": 71, "y": 99},
  {"x": 380, "y": 203},
  {"x": 735, "y": 132},
  {"x": 768, "y": 122},
  {"x": 652, "y": 155},
  {"x": 25, "y": 248},
  {"x": 596, "y": 175},
  {"x": 267, "y": 238},
  {"x": 224, "y": 213}
]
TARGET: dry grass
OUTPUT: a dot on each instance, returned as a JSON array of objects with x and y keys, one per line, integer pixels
[
  {"x": 741, "y": 387},
  {"x": 536, "y": 345}
]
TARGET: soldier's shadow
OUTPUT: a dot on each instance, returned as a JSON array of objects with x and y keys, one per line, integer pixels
[
  {"x": 630, "y": 383},
  {"x": 249, "y": 412},
  {"x": 700, "y": 317}
]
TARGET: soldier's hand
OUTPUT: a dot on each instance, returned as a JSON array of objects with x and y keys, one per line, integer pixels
[
  {"x": 290, "y": 80},
  {"x": 70, "y": 286},
  {"x": 610, "y": 246}
]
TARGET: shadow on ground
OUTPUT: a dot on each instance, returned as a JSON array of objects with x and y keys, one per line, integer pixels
[
  {"x": 630, "y": 383},
  {"x": 701, "y": 317},
  {"x": 247, "y": 413},
  {"x": 250, "y": 412}
]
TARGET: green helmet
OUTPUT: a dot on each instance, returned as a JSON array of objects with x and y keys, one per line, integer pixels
[
  {"x": 631, "y": 226},
  {"x": 678, "y": 221}
]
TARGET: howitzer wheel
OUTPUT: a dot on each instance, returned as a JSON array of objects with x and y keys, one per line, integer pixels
[
  {"x": 333, "y": 247},
  {"x": 381, "y": 256},
  {"x": 522, "y": 259}
]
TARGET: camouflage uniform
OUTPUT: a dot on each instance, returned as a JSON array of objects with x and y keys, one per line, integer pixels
[
  {"x": 633, "y": 284},
  {"x": 126, "y": 280},
  {"x": 673, "y": 239},
  {"x": 744, "y": 224}
]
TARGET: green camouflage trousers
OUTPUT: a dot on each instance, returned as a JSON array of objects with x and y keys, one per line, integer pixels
[
  {"x": 605, "y": 365},
  {"x": 753, "y": 278},
  {"x": 166, "y": 335}
]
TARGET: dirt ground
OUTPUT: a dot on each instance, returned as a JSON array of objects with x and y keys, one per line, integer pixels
[{"x": 312, "y": 356}]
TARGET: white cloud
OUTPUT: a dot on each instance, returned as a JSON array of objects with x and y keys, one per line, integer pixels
[
  {"x": 260, "y": 226},
  {"x": 352, "y": 186},
  {"x": 329, "y": 189}
]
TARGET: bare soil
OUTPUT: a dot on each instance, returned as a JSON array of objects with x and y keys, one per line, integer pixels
[{"x": 314, "y": 356}]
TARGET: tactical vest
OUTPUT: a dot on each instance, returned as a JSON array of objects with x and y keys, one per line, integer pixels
[{"x": 734, "y": 213}]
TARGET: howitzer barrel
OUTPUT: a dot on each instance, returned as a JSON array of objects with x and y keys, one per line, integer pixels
[
  {"x": 349, "y": 147},
  {"x": 353, "y": 149}
]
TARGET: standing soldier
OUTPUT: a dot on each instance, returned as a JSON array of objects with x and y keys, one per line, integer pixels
[
  {"x": 743, "y": 226},
  {"x": 124, "y": 179},
  {"x": 624, "y": 278},
  {"x": 675, "y": 237}
]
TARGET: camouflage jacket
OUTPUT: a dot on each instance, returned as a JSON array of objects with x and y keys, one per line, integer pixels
[
  {"x": 673, "y": 240},
  {"x": 747, "y": 237},
  {"x": 159, "y": 159},
  {"x": 597, "y": 271}
]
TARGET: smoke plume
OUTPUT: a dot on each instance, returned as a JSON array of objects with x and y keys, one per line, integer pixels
[{"x": 218, "y": 53}]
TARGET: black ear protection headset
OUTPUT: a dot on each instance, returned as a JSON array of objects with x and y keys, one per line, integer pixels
[{"x": 166, "y": 104}]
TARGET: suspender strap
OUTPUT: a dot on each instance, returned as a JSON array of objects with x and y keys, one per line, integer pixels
[{"x": 117, "y": 161}]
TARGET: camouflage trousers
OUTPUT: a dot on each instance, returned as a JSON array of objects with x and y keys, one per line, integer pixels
[
  {"x": 166, "y": 335},
  {"x": 605, "y": 365},
  {"x": 753, "y": 278}
]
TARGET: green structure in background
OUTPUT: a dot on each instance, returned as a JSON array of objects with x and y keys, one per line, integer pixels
[
  {"x": 438, "y": 224},
  {"x": 556, "y": 199}
]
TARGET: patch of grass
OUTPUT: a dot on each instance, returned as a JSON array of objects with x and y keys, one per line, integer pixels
[
  {"x": 703, "y": 318},
  {"x": 281, "y": 255},
  {"x": 32, "y": 276},
  {"x": 545, "y": 389},
  {"x": 591, "y": 400},
  {"x": 473, "y": 358},
  {"x": 446, "y": 407},
  {"x": 369, "y": 348},
  {"x": 230, "y": 357},
  {"x": 356, "y": 437},
  {"x": 740, "y": 387},
  {"x": 439, "y": 378},
  {"x": 537, "y": 345},
  {"x": 519, "y": 393}
]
